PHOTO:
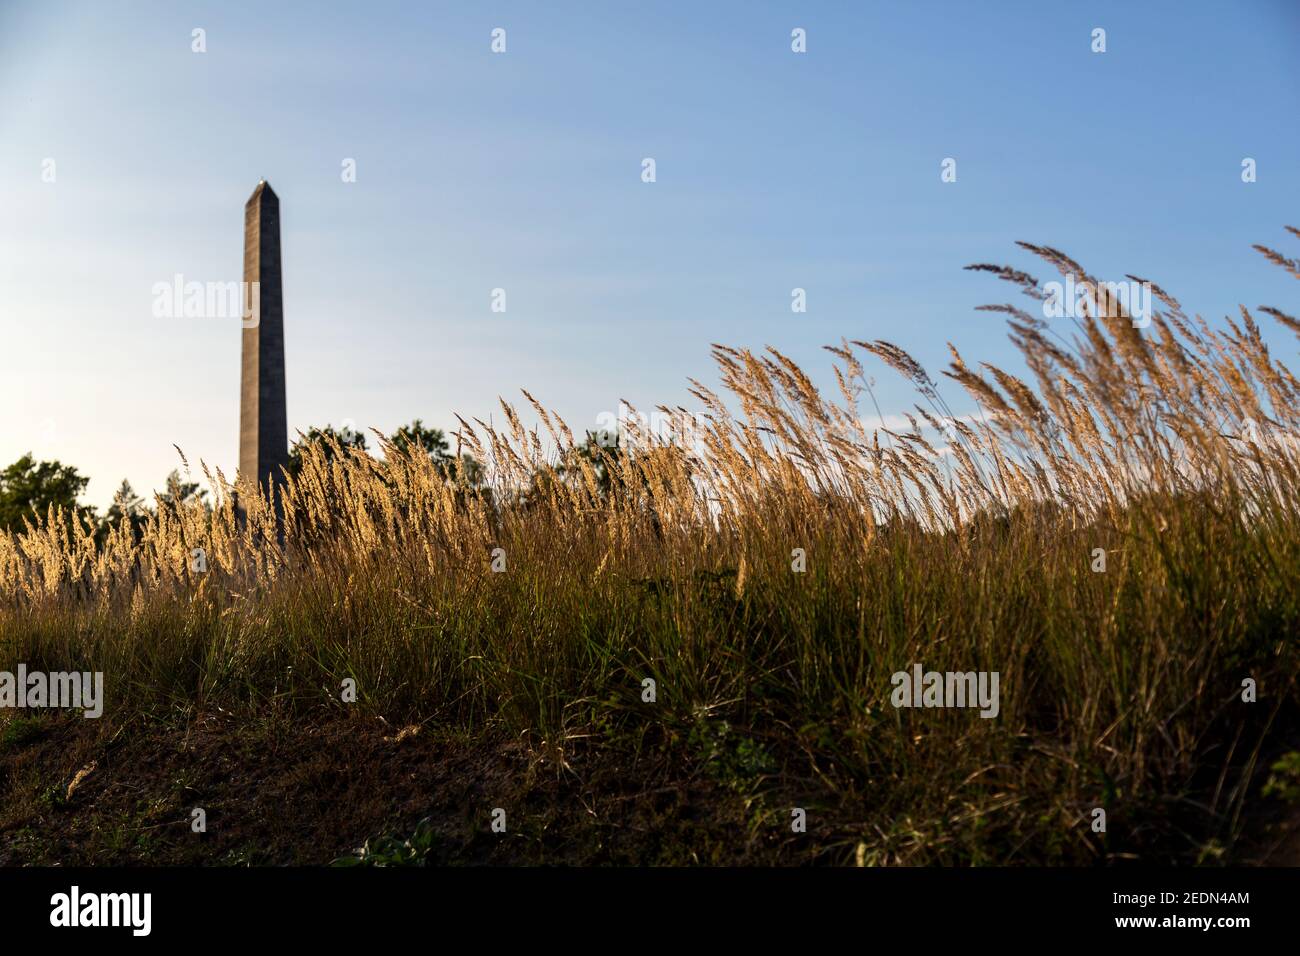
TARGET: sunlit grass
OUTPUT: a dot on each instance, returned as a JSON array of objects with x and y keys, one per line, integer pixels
[{"x": 1171, "y": 449}]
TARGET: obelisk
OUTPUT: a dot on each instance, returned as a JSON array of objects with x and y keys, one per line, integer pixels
[{"x": 263, "y": 428}]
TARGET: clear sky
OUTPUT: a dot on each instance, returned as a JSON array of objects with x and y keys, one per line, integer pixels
[{"x": 522, "y": 171}]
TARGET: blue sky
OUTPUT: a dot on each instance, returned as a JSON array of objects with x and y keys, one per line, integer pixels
[{"x": 522, "y": 171}]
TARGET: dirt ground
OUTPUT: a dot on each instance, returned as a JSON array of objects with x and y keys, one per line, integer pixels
[
  {"x": 289, "y": 792},
  {"x": 284, "y": 793}
]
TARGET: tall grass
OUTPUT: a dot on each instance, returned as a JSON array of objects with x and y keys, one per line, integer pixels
[{"x": 961, "y": 543}]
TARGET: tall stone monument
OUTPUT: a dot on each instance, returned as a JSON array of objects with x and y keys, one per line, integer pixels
[{"x": 263, "y": 428}]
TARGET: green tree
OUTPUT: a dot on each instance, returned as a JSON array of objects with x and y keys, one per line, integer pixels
[
  {"x": 600, "y": 450},
  {"x": 28, "y": 488},
  {"x": 432, "y": 440},
  {"x": 345, "y": 437},
  {"x": 180, "y": 491},
  {"x": 466, "y": 471},
  {"x": 126, "y": 506}
]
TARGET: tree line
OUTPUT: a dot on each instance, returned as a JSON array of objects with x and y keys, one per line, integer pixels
[{"x": 30, "y": 488}]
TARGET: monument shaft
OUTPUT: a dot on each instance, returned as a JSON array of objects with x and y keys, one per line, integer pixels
[{"x": 263, "y": 426}]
